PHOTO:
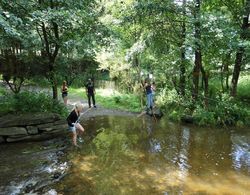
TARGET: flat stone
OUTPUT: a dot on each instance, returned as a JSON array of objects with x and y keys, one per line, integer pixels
[
  {"x": 55, "y": 131},
  {"x": 28, "y": 119},
  {"x": 54, "y": 127},
  {"x": 1, "y": 140},
  {"x": 13, "y": 131},
  {"x": 38, "y": 137},
  {"x": 17, "y": 138},
  {"x": 32, "y": 130},
  {"x": 44, "y": 126},
  {"x": 60, "y": 122}
]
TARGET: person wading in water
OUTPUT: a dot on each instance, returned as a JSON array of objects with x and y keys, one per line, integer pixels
[{"x": 73, "y": 122}]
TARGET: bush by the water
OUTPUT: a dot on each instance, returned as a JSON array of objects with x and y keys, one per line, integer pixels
[
  {"x": 222, "y": 110},
  {"x": 30, "y": 102}
]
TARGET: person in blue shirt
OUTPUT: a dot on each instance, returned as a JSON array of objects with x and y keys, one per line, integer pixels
[{"x": 149, "y": 94}]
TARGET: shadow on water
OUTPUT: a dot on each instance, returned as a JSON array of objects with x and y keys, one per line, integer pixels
[
  {"x": 129, "y": 155},
  {"x": 126, "y": 155}
]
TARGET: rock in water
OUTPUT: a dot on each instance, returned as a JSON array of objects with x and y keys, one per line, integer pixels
[{"x": 155, "y": 113}]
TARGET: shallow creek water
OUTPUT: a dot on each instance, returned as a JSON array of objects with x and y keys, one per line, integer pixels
[{"x": 129, "y": 155}]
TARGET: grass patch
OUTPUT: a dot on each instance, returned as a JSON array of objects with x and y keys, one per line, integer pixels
[
  {"x": 243, "y": 90},
  {"x": 116, "y": 100},
  {"x": 2, "y": 91},
  {"x": 76, "y": 92}
]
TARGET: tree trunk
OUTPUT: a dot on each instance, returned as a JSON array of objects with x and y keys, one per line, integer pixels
[
  {"x": 198, "y": 59},
  {"x": 205, "y": 81},
  {"x": 54, "y": 89},
  {"x": 222, "y": 78},
  {"x": 183, "y": 54},
  {"x": 225, "y": 71},
  {"x": 241, "y": 50},
  {"x": 50, "y": 47}
]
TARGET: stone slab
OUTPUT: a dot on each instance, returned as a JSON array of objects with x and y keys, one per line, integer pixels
[
  {"x": 44, "y": 126},
  {"x": 32, "y": 130},
  {"x": 28, "y": 119},
  {"x": 37, "y": 137},
  {"x": 54, "y": 127},
  {"x": 8, "y": 131}
]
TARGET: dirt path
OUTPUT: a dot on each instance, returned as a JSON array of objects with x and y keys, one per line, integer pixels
[{"x": 98, "y": 111}]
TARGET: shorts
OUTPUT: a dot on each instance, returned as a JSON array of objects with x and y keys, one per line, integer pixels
[
  {"x": 64, "y": 95},
  {"x": 72, "y": 129}
]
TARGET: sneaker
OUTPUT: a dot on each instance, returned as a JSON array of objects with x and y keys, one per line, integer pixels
[
  {"x": 80, "y": 140},
  {"x": 94, "y": 106}
]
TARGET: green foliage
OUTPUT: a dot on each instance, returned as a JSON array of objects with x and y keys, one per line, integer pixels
[
  {"x": 223, "y": 110},
  {"x": 2, "y": 91},
  {"x": 229, "y": 112},
  {"x": 244, "y": 88},
  {"x": 203, "y": 117},
  {"x": 30, "y": 102}
]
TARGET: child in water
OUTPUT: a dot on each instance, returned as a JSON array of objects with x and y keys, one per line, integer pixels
[{"x": 73, "y": 121}]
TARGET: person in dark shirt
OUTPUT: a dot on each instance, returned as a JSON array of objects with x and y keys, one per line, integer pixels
[
  {"x": 90, "y": 91},
  {"x": 73, "y": 122}
]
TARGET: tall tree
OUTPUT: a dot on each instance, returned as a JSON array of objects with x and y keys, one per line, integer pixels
[
  {"x": 198, "y": 58},
  {"x": 183, "y": 51},
  {"x": 244, "y": 35}
]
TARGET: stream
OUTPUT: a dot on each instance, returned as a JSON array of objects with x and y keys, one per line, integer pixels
[{"x": 130, "y": 155}]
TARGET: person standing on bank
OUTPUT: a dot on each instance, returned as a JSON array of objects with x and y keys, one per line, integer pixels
[
  {"x": 90, "y": 91},
  {"x": 64, "y": 90},
  {"x": 153, "y": 88},
  {"x": 73, "y": 122},
  {"x": 149, "y": 94}
]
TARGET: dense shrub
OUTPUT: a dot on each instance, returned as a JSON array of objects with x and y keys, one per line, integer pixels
[
  {"x": 222, "y": 109},
  {"x": 30, "y": 102}
]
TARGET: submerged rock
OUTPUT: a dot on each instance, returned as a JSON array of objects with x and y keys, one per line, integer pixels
[{"x": 187, "y": 119}]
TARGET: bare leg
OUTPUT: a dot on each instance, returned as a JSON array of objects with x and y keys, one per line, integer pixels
[
  {"x": 79, "y": 128},
  {"x": 65, "y": 99},
  {"x": 74, "y": 138}
]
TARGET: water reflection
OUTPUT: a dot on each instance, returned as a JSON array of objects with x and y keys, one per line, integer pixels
[
  {"x": 241, "y": 152},
  {"x": 141, "y": 156}
]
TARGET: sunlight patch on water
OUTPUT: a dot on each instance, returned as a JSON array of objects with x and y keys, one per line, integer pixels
[{"x": 230, "y": 183}]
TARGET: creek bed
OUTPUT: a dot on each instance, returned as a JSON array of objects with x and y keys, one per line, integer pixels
[{"x": 129, "y": 155}]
